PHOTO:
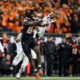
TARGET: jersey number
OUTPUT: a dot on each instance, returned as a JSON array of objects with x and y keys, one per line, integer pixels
[{"x": 30, "y": 30}]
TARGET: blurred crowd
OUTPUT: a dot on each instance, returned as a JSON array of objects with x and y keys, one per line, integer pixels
[
  {"x": 59, "y": 56},
  {"x": 67, "y": 14}
]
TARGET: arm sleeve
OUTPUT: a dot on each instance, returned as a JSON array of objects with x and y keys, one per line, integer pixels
[{"x": 32, "y": 23}]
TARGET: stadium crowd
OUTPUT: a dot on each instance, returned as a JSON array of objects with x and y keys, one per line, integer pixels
[
  {"x": 63, "y": 57},
  {"x": 67, "y": 14}
]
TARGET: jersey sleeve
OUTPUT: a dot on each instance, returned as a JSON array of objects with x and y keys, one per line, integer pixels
[{"x": 32, "y": 23}]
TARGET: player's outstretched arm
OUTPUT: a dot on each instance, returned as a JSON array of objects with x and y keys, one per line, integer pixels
[{"x": 32, "y": 23}]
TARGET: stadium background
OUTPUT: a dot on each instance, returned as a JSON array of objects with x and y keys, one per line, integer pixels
[{"x": 11, "y": 18}]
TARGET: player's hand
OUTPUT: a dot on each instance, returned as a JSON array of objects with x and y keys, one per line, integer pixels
[{"x": 53, "y": 20}]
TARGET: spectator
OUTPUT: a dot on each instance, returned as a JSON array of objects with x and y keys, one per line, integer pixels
[
  {"x": 74, "y": 57},
  {"x": 64, "y": 54},
  {"x": 6, "y": 64},
  {"x": 50, "y": 52},
  {"x": 5, "y": 42}
]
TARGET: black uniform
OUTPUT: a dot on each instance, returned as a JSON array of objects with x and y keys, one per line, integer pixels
[{"x": 27, "y": 39}]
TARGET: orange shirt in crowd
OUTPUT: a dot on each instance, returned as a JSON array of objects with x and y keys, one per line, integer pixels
[
  {"x": 4, "y": 20},
  {"x": 11, "y": 21},
  {"x": 17, "y": 29}
]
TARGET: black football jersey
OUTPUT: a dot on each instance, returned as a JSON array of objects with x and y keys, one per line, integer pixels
[
  {"x": 27, "y": 31},
  {"x": 28, "y": 27}
]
